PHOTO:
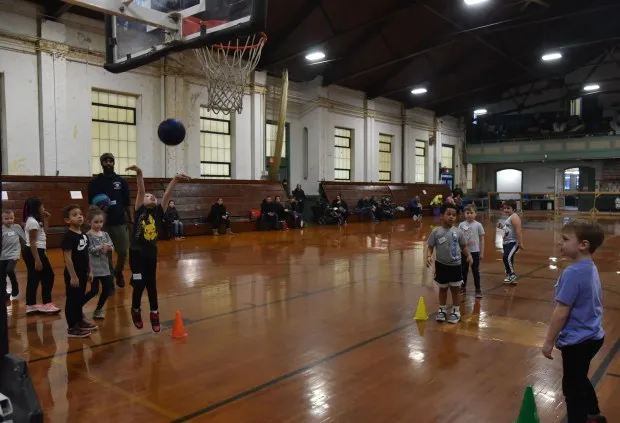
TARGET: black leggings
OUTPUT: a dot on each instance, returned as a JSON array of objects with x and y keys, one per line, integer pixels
[
  {"x": 143, "y": 275},
  {"x": 106, "y": 283},
  {"x": 580, "y": 394},
  {"x": 475, "y": 269},
  {"x": 7, "y": 268},
  {"x": 45, "y": 277}
]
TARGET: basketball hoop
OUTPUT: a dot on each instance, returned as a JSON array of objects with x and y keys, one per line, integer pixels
[{"x": 228, "y": 68}]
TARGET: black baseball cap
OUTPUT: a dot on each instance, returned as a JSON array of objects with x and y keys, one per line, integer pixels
[{"x": 106, "y": 156}]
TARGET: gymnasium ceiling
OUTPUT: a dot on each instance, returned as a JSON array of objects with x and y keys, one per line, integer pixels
[{"x": 466, "y": 56}]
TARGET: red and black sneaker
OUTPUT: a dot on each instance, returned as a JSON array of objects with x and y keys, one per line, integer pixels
[
  {"x": 155, "y": 321},
  {"x": 136, "y": 317},
  {"x": 85, "y": 325},
  {"x": 76, "y": 332}
]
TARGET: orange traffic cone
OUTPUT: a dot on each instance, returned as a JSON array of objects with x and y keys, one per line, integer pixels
[{"x": 178, "y": 331}]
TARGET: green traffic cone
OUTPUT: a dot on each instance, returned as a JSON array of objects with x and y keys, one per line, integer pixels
[{"x": 528, "y": 412}]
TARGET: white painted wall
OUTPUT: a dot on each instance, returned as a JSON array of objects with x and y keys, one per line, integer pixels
[
  {"x": 46, "y": 89},
  {"x": 537, "y": 176}
]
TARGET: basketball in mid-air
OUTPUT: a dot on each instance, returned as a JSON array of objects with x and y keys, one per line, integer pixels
[
  {"x": 171, "y": 132},
  {"x": 102, "y": 201}
]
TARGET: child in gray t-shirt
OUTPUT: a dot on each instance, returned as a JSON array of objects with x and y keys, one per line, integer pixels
[
  {"x": 99, "y": 246},
  {"x": 474, "y": 235},
  {"x": 448, "y": 243},
  {"x": 12, "y": 238}
]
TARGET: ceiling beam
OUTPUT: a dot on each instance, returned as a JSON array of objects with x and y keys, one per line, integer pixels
[
  {"x": 530, "y": 20},
  {"x": 370, "y": 25},
  {"x": 293, "y": 25},
  {"x": 476, "y": 37}
]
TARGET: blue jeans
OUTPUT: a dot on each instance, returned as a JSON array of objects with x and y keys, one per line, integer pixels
[{"x": 177, "y": 228}]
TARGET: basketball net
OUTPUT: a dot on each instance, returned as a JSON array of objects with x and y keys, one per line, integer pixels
[{"x": 228, "y": 68}]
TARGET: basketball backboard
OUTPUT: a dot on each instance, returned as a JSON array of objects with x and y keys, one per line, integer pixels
[{"x": 142, "y": 31}]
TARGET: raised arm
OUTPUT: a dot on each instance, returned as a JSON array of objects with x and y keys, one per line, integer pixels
[
  {"x": 140, "y": 184},
  {"x": 168, "y": 193}
]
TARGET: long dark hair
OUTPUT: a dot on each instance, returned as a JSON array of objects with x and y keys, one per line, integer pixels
[{"x": 32, "y": 208}]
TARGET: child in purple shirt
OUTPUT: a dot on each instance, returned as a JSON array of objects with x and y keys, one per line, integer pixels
[{"x": 576, "y": 324}]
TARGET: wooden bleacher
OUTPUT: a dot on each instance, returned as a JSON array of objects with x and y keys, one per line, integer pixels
[
  {"x": 193, "y": 199},
  {"x": 352, "y": 192}
]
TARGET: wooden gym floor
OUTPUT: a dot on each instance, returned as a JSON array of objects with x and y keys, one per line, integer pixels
[{"x": 317, "y": 326}]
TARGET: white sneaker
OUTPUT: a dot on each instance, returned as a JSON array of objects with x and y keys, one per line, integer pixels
[
  {"x": 441, "y": 315},
  {"x": 454, "y": 317}
]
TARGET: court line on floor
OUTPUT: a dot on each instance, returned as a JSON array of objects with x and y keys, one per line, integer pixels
[
  {"x": 120, "y": 391},
  {"x": 613, "y": 374},
  {"x": 301, "y": 294},
  {"x": 602, "y": 368},
  {"x": 289, "y": 375},
  {"x": 520, "y": 277},
  {"x": 214, "y": 316}
]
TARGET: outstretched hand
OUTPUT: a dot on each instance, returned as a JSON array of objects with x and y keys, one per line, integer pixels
[
  {"x": 182, "y": 177},
  {"x": 135, "y": 169}
]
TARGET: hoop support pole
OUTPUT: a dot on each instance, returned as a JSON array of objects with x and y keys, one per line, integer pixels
[{"x": 274, "y": 170}]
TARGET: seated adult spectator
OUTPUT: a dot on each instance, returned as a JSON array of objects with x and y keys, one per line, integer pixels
[
  {"x": 342, "y": 207},
  {"x": 291, "y": 206},
  {"x": 269, "y": 213},
  {"x": 385, "y": 209},
  {"x": 172, "y": 217},
  {"x": 416, "y": 207},
  {"x": 219, "y": 216},
  {"x": 365, "y": 206},
  {"x": 300, "y": 197}
]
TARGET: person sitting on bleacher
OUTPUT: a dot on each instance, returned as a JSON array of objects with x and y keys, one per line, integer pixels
[
  {"x": 300, "y": 197},
  {"x": 342, "y": 207},
  {"x": 386, "y": 209},
  {"x": 292, "y": 207},
  {"x": 171, "y": 216},
  {"x": 365, "y": 206},
  {"x": 415, "y": 207},
  {"x": 219, "y": 216},
  {"x": 269, "y": 213}
]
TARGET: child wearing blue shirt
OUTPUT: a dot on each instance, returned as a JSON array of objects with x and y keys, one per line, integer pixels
[{"x": 576, "y": 324}]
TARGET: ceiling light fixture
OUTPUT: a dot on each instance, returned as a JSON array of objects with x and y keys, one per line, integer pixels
[
  {"x": 591, "y": 87},
  {"x": 479, "y": 112},
  {"x": 315, "y": 55},
  {"x": 548, "y": 57},
  {"x": 419, "y": 91},
  {"x": 474, "y": 2}
]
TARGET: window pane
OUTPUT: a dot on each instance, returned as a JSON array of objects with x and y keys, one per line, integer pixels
[
  {"x": 215, "y": 144},
  {"x": 114, "y": 128}
]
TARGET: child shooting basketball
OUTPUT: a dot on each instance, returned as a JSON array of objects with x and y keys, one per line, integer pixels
[
  {"x": 448, "y": 243},
  {"x": 576, "y": 324},
  {"x": 149, "y": 216}
]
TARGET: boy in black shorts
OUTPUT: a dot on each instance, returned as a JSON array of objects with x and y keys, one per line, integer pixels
[
  {"x": 448, "y": 242},
  {"x": 77, "y": 272},
  {"x": 143, "y": 250}
]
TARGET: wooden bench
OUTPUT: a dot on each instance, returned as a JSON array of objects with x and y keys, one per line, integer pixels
[
  {"x": 193, "y": 199},
  {"x": 402, "y": 193},
  {"x": 352, "y": 192}
]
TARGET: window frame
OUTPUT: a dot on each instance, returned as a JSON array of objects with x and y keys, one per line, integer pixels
[
  {"x": 420, "y": 144},
  {"x": 389, "y": 153},
  {"x": 349, "y": 147},
  {"x": 228, "y": 133}
]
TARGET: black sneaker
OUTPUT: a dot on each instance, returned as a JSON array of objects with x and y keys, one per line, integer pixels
[{"x": 120, "y": 282}]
